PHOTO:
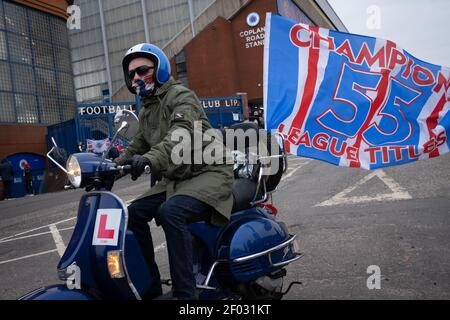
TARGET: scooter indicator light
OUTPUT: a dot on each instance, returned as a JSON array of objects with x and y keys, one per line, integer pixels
[{"x": 115, "y": 264}]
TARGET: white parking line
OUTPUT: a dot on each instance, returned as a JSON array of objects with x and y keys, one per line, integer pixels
[
  {"x": 55, "y": 232},
  {"x": 160, "y": 247},
  {"x": 293, "y": 169},
  {"x": 29, "y": 256},
  {"x": 42, "y": 227},
  {"x": 34, "y": 229},
  {"x": 58, "y": 240},
  {"x": 397, "y": 192},
  {"x": 157, "y": 248},
  {"x": 33, "y": 235}
]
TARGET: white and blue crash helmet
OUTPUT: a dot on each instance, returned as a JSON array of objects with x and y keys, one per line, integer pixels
[{"x": 152, "y": 52}]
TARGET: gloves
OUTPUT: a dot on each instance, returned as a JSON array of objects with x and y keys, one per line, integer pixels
[{"x": 138, "y": 164}]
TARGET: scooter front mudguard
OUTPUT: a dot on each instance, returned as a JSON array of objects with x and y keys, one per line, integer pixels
[{"x": 57, "y": 292}]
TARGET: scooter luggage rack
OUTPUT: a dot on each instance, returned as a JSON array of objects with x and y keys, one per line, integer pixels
[
  {"x": 268, "y": 252},
  {"x": 261, "y": 181}
]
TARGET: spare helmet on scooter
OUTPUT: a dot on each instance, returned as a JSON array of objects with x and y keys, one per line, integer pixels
[{"x": 152, "y": 52}]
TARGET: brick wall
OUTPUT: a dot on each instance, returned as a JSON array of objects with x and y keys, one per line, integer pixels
[
  {"x": 16, "y": 138},
  {"x": 221, "y": 60},
  {"x": 210, "y": 61}
]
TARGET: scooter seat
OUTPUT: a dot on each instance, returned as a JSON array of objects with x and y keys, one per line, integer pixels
[{"x": 243, "y": 193}]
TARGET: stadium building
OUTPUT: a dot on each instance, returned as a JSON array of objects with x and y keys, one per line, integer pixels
[
  {"x": 48, "y": 72},
  {"x": 215, "y": 47},
  {"x": 36, "y": 82}
]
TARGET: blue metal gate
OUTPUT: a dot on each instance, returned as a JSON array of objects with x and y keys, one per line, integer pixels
[
  {"x": 95, "y": 127},
  {"x": 224, "y": 111},
  {"x": 95, "y": 121},
  {"x": 64, "y": 134}
]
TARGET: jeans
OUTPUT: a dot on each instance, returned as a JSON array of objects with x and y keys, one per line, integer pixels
[{"x": 173, "y": 215}]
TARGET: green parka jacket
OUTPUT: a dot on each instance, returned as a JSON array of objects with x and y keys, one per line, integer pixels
[{"x": 172, "y": 110}]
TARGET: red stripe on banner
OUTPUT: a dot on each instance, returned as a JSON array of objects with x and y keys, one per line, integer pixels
[
  {"x": 377, "y": 104},
  {"x": 310, "y": 85},
  {"x": 432, "y": 122},
  {"x": 389, "y": 56},
  {"x": 287, "y": 145}
]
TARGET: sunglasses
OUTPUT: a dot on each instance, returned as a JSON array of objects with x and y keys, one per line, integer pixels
[{"x": 141, "y": 71}]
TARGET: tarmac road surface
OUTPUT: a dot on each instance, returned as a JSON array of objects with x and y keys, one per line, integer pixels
[{"x": 386, "y": 229}]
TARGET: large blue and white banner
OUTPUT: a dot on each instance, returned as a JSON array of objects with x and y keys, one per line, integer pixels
[{"x": 352, "y": 100}]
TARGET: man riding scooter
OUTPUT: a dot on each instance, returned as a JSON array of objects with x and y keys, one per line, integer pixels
[{"x": 188, "y": 192}]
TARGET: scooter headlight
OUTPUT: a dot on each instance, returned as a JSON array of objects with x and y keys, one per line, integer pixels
[{"x": 73, "y": 171}]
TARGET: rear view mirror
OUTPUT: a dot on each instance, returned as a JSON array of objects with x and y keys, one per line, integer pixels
[
  {"x": 126, "y": 124},
  {"x": 59, "y": 154},
  {"x": 59, "y": 157},
  {"x": 54, "y": 142}
]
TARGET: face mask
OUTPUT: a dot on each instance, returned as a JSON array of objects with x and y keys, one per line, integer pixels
[{"x": 144, "y": 89}]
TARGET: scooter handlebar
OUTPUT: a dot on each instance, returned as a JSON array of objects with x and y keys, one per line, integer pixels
[{"x": 126, "y": 169}]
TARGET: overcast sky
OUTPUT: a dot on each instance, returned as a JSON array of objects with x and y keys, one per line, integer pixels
[{"x": 420, "y": 27}]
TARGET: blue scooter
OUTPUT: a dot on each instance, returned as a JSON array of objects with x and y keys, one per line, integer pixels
[{"x": 244, "y": 260}]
